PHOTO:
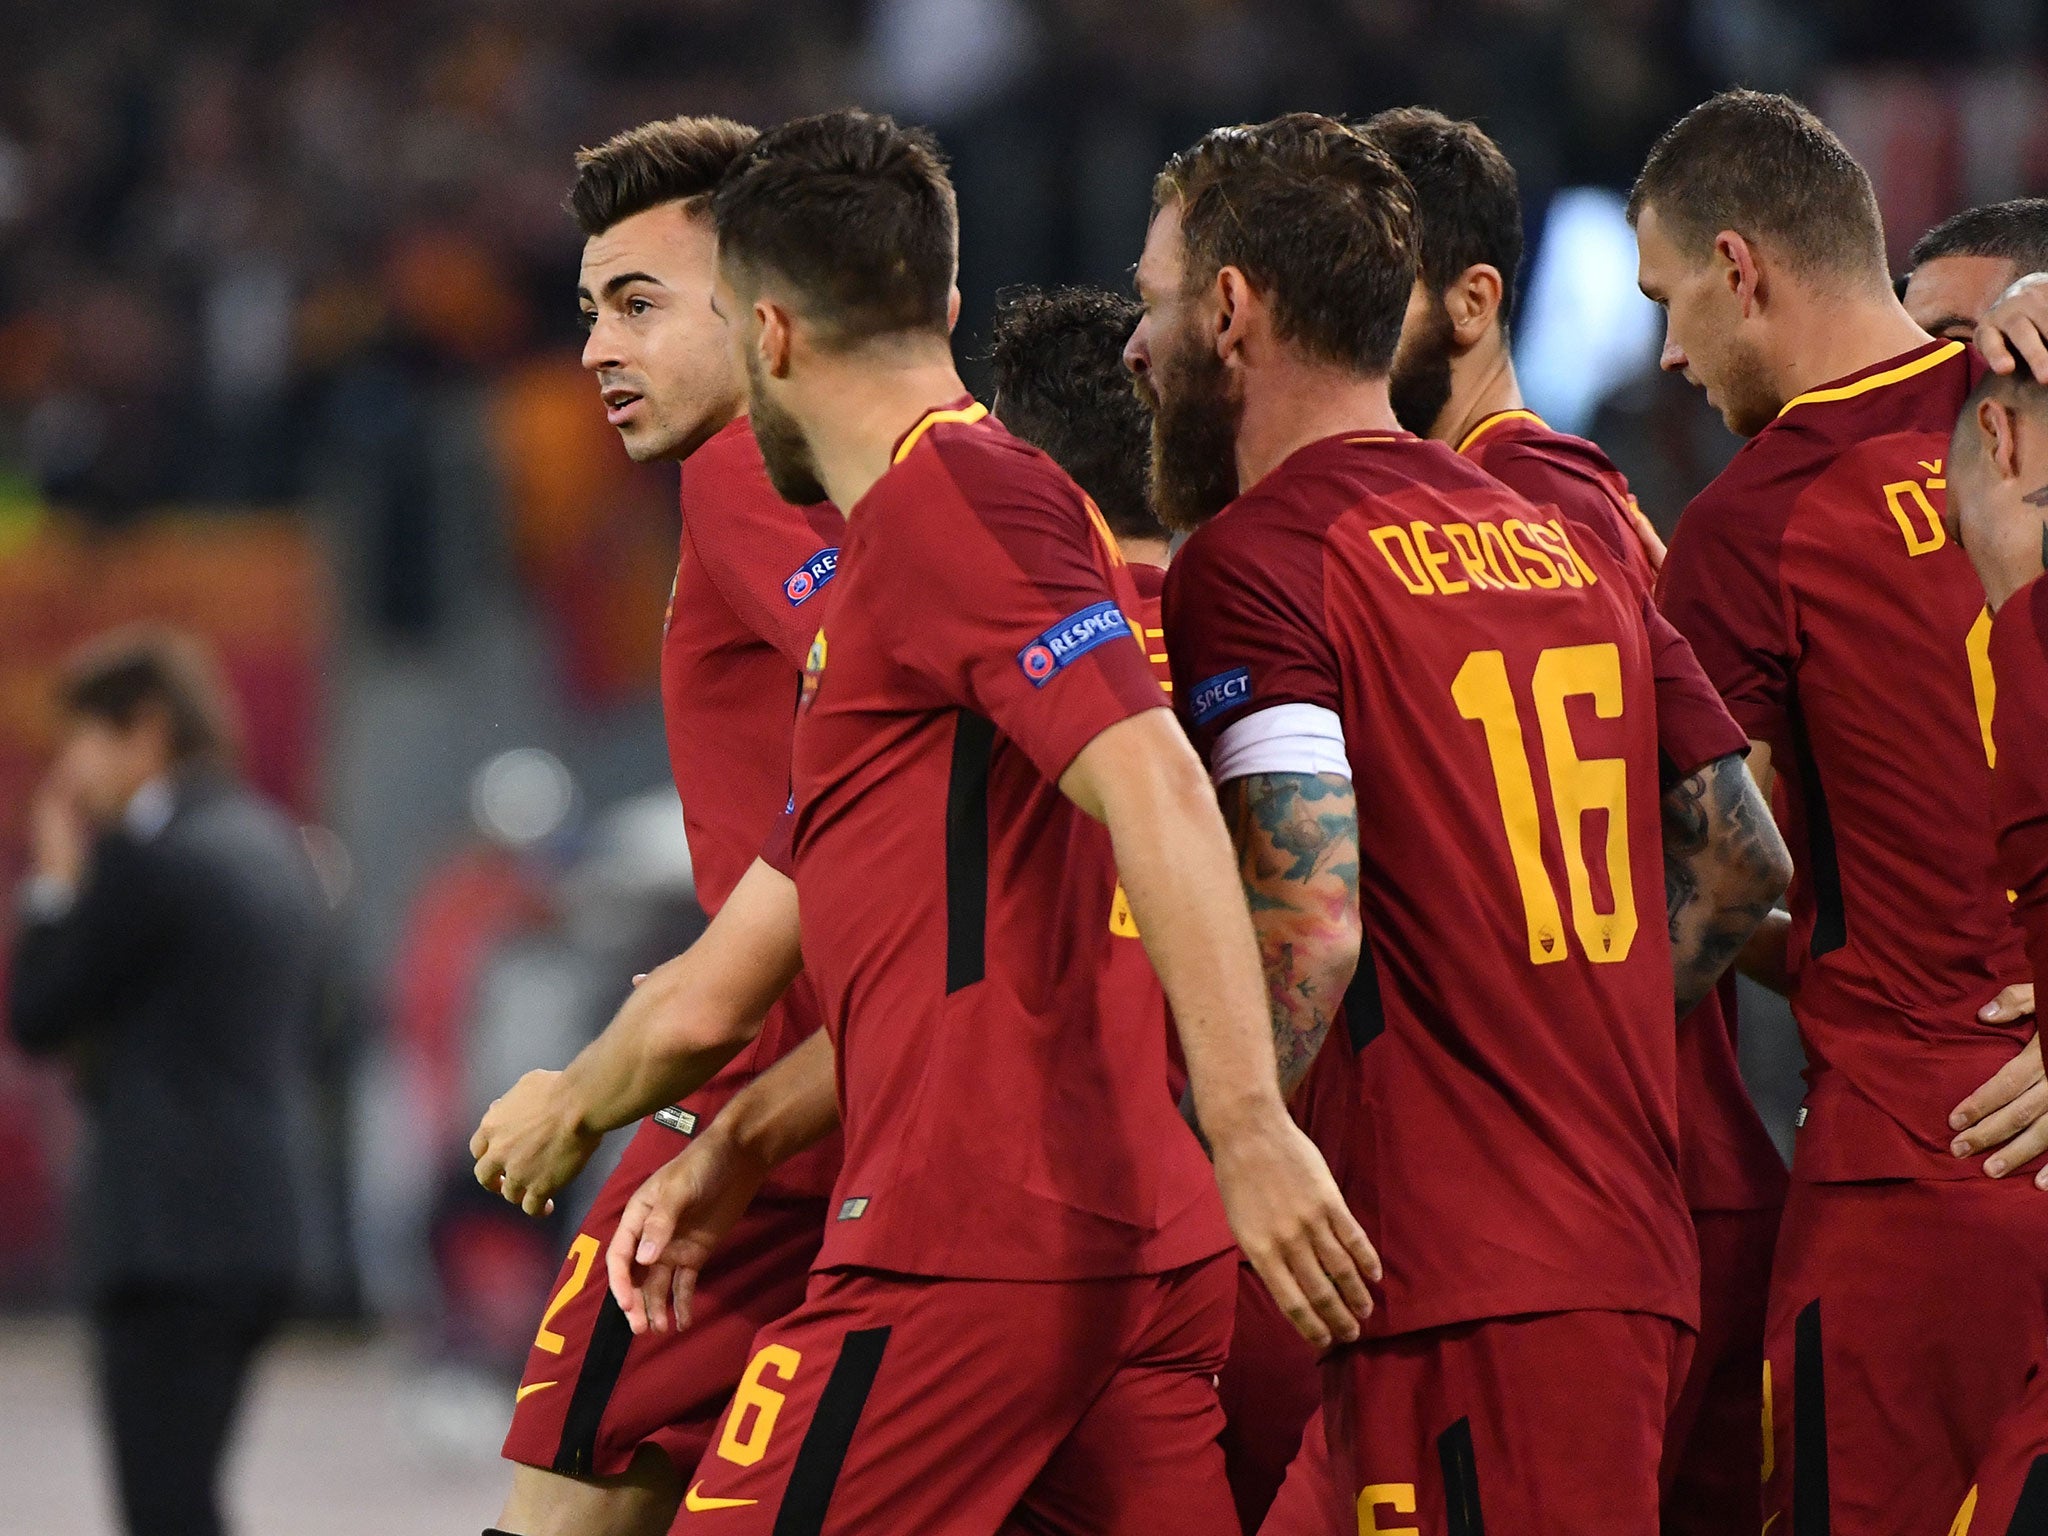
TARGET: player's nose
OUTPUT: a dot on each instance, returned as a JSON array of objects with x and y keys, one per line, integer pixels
[
  {"x": 1137, "y": 352},
  {"x": 598, "y": 352},
  {"x": 1673, "y": 358}
]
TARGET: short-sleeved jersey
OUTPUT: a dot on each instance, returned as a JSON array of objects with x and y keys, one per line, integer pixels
[
  {"x": 1515, "y": 1145},
  {"x": 1726, "y": 1157},
  {"x": 739, "y": 625},
  {"x": 1004, "y": 1118},
  {"x": 1846, "y": 631},
  {"x": 2019, "y": 773}
]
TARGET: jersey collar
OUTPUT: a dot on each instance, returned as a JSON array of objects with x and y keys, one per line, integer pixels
[
  {"x": 1917, "y": 361},
  {"x": 1487, "y": 423},
  {"x": 963, "y": 411}
]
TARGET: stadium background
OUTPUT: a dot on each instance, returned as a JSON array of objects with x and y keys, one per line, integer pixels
[{"x": 288, "y": 356}]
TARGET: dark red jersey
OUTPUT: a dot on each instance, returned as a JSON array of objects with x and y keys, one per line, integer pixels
[
  {"x": 740, "y": 622},
  {"x": 1515, "y": 1144},
  {"x": 1846, "y": 631},
  {"x": 1548, "y": 467},
  {"x": 2019, "y": 771},
  {"x": 1004, "y": 1118},
  {"x": 1726, "y": 1157}
]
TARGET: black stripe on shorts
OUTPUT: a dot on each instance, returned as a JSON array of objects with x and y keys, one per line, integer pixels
[
  {"x": 603, "y": 1358},
  {"x": 1461, "y": 1481},
  {"x": 2030, "y": 1513},
  {"x": 823, "y": 1452},
  {"x": 1809, "y": 1427}
]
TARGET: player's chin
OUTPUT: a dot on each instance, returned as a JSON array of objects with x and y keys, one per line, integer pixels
[{"x": 643, "y": 444}]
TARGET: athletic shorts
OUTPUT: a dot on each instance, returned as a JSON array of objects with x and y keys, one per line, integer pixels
[
  {"x": 1546, "y": 1425},
  {"x": 1904, "y": 1316},
  {"x": 895, "y": 1405},
  {"x": 1310, "y": 1501},
  {"x": 592, "y": 1394},
  {"x": 2010, "y": 1496},
  {"x": 1270, "y": 1387},
  {"x": 1713, "y": 1446}
]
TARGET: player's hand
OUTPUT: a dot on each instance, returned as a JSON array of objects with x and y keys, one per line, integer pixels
[
  {"x": 2008, "y": 1115},
  {"x": 2015, "y": 329},
  {"x": 1647, "y": 536},
  {"x": 531, "y": 1144},
  {"x": 1294, "y": 1226},
  {"x": 674, "y": 1223}
]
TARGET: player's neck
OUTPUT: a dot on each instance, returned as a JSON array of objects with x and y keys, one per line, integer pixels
[
  {"x": 873, "y": 407},
  {"x": 1139, "y": 551},
  {"x": 1483, "y": 384},
  {"x": 1838, "y": 337},
  {"x": 1303, "y": 404}
]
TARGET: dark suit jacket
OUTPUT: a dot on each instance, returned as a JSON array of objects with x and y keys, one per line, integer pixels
[{"x": 182, "y": 982}]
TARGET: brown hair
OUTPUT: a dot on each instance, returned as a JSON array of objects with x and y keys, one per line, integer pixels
[
  {"x": 855, "y": 213},
  {"x": 678, "y": 159},
  {"x": 118, "y": 676},
  {"x": 1319, "y": 220},
  {"x": 1468, "y": 207},
  {"x": 1765, "y": 167}
]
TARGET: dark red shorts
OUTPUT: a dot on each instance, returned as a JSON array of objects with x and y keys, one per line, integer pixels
[
  {"x": 592, "y": 1394},
  {"x": 1904, "y": 1317},
  {"x": 1310, "y": 1501},
  {"x": 1270, "y": 1387},
  {"x": 891, "y": 1403},
  {"x": 1549, "y": 1425},
  {"x": 1713, "y": 1446}
]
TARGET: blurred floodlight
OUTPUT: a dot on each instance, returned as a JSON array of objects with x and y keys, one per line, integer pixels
[
  {"x": 1584, "y": 329},
  {"x": 522, "y": 797}
]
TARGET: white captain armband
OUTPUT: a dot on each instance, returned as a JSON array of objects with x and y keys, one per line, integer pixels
[{"x": 1287, "y": 738}]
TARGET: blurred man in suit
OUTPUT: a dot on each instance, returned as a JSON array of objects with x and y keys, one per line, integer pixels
[{"x": 169, "y": 946}]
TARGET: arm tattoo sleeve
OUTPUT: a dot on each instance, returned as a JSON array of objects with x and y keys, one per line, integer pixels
[
  {"x": 1296, "y": 836},
  {"x": 1724, "y": 865}
]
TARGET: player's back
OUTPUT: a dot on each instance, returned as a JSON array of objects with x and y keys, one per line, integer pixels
[
  {"x": 1845, "y": 630},
  {"x": 1548, "y": 467},
  {"x": 1513, "y": 1012}
]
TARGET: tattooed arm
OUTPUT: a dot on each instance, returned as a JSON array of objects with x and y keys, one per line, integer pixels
[
  {"x": 1724, "y": 865},
  {"x": 1297, "y": 850}
]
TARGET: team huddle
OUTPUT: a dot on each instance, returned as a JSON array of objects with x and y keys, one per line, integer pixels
[{"x": 1192, "y": 1036}]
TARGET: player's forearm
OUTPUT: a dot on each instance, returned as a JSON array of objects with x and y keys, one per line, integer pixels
[
  {"x": 1724, "y": 864},
  {"x": 1296, "y": 837},
  {"x": 1174, "y": 858},
  {"x": 791, "y": 1106},
  {"x": 693, "y": 1014}
]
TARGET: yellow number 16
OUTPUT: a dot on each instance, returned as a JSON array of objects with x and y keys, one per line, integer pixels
[{"x": 1577, "y": 786}]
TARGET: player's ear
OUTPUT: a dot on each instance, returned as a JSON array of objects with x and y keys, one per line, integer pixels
[
  {"x": 774, "y": 341},
  {"x": 952, "y": 309},
  {"x": 2001, "y": 434},
  {"x": 1235, "y": 300},
  {"x": 1739, "y": 269},
  {"x": 1472, "y": 301}
]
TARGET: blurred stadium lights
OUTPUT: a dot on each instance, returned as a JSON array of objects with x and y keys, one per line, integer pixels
[{"x": 1585, "y": 329}]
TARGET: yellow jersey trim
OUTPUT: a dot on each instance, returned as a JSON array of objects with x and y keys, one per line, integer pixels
[
  {"x": 1488, "y": 423},
  {"x": 1933, "y": 359},
  {"x": 965, "y": 415}
]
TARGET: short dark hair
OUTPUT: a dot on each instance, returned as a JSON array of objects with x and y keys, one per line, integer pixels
[
  {"x": 2015, "y": 231},
  {"x": 678, "y": 159},
  {"x": 1468, "y": 206},
  {"x": 1061, "y": 385},
  {"x": 1765, "y": 167},
  {"x": 118, "y": 676},
  {"x": 1316, "y": 216},
  {"x": 855, "y": 212}
]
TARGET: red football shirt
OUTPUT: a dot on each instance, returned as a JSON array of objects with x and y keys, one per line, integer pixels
[
  {"x": 739, "y": 625},
  {"x": 1726, "y": 1157},
  {"x": 1004, "y": 1117},
  {"x": 1845, "y": 630},
  {"x": 1515, "y": 1143},
  {"x": 2019, "y": 775}
]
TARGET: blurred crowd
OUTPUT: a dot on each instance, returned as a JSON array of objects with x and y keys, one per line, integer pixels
[{"x": 310, "y": 258}]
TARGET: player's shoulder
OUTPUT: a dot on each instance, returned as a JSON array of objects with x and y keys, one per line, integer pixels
[
  {"x": 1535, "y": 444},
  {"x": 993, "y": 471},
  {"x": 2019, "y": 635}
]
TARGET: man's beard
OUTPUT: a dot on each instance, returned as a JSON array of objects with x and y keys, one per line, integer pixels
[
  {"x": 1748, "y": 402},
  {"x": 1421, "y": 384},
  {"x": 1195, "y": 422},
  {"x": 792, "y": 469}
]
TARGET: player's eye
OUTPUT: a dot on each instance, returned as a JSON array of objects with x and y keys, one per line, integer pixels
[
  {"x": 587, "y": 318},
  {"x": 638, "y": 306}
]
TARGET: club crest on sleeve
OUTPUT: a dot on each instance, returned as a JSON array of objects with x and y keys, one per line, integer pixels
[
  {"x": 1220, "y": 694},
  {"x": 810, "y": 576},
  {"x": 1074, "y": 636}
]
